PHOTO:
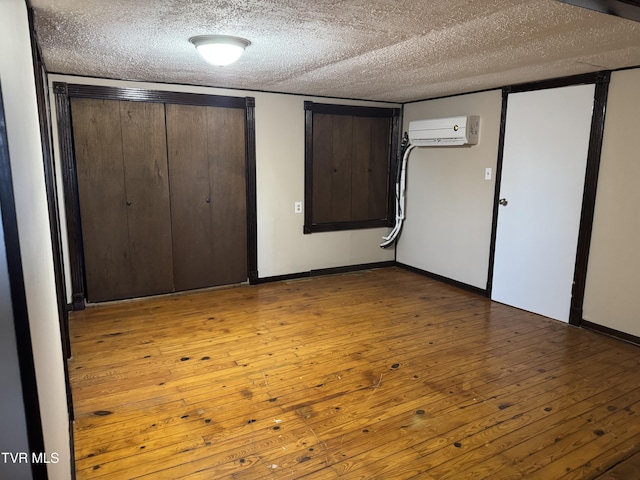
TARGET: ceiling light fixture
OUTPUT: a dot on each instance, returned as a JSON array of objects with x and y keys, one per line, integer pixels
[{"x": 220, "y": 49}]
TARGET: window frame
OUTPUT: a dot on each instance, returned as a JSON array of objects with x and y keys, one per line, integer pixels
[{"x": 394, "y": 114}]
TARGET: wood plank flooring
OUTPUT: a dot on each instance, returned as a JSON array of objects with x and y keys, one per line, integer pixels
[{"x": 381, "y": 374}]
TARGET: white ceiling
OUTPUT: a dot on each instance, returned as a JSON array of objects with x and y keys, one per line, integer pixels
[{"x": 395, "y": 50}]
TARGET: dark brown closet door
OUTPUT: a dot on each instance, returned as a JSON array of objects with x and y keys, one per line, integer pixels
[
  {"x": 146, "y": 178},
  {"x": 121, "y": 165},
  {"x": 228, "y": 180},
  {"x": 98, "y": 148},
  {"x": 208, "y": 195}
]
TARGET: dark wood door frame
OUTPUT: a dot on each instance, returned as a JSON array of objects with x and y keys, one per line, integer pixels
[{"x": 64, "y": 92}]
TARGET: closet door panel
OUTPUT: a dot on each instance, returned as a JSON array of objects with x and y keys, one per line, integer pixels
[
  {"x": 342, "y": 168},
  {"x": 361, "y": 168},
  {"x": 378, "y": 172},
  {"x": 322, "y": 167},
  {"x": 227, "y": 173},
  {"x": 147, "y": 197},
  {"x": 190, "y": 196},
  {"x": 100, "y": 171}
]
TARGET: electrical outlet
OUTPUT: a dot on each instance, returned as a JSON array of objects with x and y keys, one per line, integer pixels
[
  {"x": 487, "y": 173},
  {"x": 297, "y": 207}
]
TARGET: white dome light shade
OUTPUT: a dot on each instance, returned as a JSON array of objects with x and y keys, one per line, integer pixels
[{"x": 220, "y": 49}]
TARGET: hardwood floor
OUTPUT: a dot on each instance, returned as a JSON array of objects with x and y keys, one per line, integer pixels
[{"x": 381, "y": 374}]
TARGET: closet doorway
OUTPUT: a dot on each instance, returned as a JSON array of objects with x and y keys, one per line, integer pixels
[
  {"x": 544, "y": 163},
  {"x": 545, "y": 194},
  {"x": 159, "y": 190}
]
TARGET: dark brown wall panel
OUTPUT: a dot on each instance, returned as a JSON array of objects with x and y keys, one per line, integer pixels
[
  {"x": 360, "y": 180},
  {"x": 378, "y": 173},
  {"x": 370, "y": 168},
  {"x": 322, "y": 167},
  {"x": 341, "y": 179}
]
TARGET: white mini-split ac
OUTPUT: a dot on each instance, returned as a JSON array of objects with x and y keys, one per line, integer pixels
[
  {"x": 436, "y": 132},
  {"x": 444, "y": 131}
]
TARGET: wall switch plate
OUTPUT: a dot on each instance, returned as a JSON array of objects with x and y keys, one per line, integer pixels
[
  {"x": 487, "y": 173},
  {"x": 297, "y": 207}
]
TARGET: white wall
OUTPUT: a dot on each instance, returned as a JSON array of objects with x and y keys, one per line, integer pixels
[
  {"x": 282, "y": 247},
  {"x": 18, "y": 87},
  {"x": 613, "y": 275},
  {"x": 449, "y": 203}
]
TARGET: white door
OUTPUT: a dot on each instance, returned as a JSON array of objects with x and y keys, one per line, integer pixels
[{"x": 545, "y": 155}]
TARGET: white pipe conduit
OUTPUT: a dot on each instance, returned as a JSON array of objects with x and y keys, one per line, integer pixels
[{"x": 401, "y": 185}]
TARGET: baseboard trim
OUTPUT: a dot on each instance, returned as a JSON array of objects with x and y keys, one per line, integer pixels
[
  {"x": 281, "y": 278},
  {"x": 72, "y": 451},
  {"x": 326, "y": 271},
  {"x": 449, "y": 281},
  {"x": 610, "y": 332}
]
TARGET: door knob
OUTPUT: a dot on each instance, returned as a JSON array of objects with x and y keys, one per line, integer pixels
[{"x": 503, "y": 202}]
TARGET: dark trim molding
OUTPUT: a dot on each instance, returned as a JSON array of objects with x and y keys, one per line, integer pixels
[
  {"x": 231, "y": 89},
  {"x": 351, "y": 268},
  {"x": 33, "y": 417},
  {"x": 70, "y": 186},
  {"x": 448, "y": 281},
  {"x": 453, "y": 95},
  {"x": 371, "y": 266},
  {"x": 355, "y": 110},
  {"x": 589, "y": 197},
  {"x": 395, "y": 163},
  {"x": 308, "y": 166},
  {"x": 583, "y": 79},
  {"x": 628, "y": 9},
  {"x": 156, "y": 96},
  {"x": 496, "y": 194},
  {"x": 282, "y": 278},
  {"x": 326, "y": 271},
  {"x": 610, "y": 332},
  {"x": 634, "y": 67},
  {"x": 252, "y": 203},
  {"x": 64, "y": 92},
  {"x": 333, "y": 109},
  {"x": 339, "y": 226},
  {"x": 327, "y": 97}
]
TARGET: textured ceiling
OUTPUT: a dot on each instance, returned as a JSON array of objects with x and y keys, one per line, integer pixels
[{"x": 395, "y": 50}]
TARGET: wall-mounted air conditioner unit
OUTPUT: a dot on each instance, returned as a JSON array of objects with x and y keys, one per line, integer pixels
[
  {"x": 437, "y": 132},
  {"x": 444, "y": 131}
]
